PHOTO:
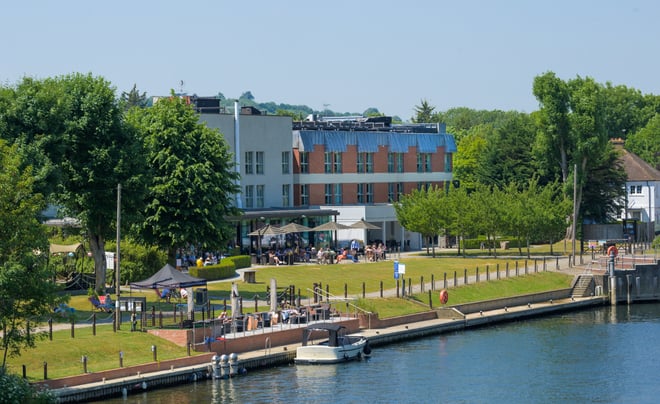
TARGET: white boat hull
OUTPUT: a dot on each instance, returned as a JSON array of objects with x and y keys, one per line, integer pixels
[{"x": 322, "y": 353}]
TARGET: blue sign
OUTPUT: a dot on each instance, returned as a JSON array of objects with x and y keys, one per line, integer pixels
[{"x": 396, "y": 269}]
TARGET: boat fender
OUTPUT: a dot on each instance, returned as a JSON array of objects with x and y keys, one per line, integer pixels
[{"x": 366, "y": 349}]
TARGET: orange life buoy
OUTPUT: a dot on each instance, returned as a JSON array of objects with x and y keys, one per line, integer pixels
[
  {"x": 444, "y": 296},
  {"x": 612, "y": 250}
]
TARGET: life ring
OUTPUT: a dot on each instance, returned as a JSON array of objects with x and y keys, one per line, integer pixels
[
  {"x": 612, "y": 250},
  {"x": 444, "y": 296}
]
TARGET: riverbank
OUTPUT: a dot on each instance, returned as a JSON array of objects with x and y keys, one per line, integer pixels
[{"x": 154, "y": 375}]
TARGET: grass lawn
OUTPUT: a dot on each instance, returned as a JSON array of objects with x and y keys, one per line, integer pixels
[{"x": 64, "y": 353}]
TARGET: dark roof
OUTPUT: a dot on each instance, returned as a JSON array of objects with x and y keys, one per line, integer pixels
[
  {"x": 638, "y": 169},
  {"x": 169, "y": 277}
]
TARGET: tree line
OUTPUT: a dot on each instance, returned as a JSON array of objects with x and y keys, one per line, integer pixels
[{"x": 526, "y": 212}]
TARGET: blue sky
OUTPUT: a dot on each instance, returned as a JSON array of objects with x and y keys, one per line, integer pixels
[{"x": 346, "y": 55}]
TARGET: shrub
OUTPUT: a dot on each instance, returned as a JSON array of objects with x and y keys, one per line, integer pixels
[
  {"x": 17, "y": 390},
  {"x": 224, "y": 269}
]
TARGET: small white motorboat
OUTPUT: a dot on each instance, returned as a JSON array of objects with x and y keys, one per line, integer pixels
[{"x": 334, "y": 346}]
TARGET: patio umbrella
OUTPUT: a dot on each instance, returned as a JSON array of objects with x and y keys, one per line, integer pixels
[
  {"x": 331, "y": 226},
  {"x": 295, "y": 228},
  {"x": 362, "y": 224},
  {"x": 266, "y": 230}
]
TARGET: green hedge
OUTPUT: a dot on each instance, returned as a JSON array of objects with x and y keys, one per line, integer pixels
[{"x": 226, "y": 268}]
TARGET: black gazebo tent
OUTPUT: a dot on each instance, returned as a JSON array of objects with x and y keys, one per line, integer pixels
[{"x": 169, "y": 277}]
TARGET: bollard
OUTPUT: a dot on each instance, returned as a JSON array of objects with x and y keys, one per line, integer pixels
[
  {"x": 421, "y": 284},
  {"x": 465, "y": 278},
  {"x": 364, "y": 291},
  {"x": 215, "y": 365},
  {"x": 94, "y": 324},
  {"x": 84, "y": 362},
  {"x": 477, "y": 274},
  {"x": 455, "y": 278},
  {"x": 224, "y": 366},
  {"x": 507, "y": 269},
  {"x": 50, "y": 328},
  {"x": 24, "y": 372},
  {"x": 121, "y": 359},
  {"x": 487, "y": 273},
  {"x": 397, "y": 288},
  {"x": 160, "y": 319},
  {"x": 45, "y": 370},
  {"x": 516, "y": 268},
  {"x": 381, "y": 289},
  {"x": 432, "y": 282},
  {"x": 498, "y": 271},
  {"x": 409, "y": 286},
  {"x": 73, "y": 327},
  {"x": 154, "y": 349},
  {"x": 430, "y": 300},
  {"x": 233, "y": 364},
  {"x": 444, "y": 284},
  {"x": 188, "y": 347}
]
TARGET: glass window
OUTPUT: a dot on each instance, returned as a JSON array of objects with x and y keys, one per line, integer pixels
[
  {"x": 332, "y": 162},
  {"x": 360, "y": 193},
  {"x": 260, "y": 196},
  {"x": 328, "y": 162},
  {"x": 391, "y": 192},
  {"x": 399, "y": 162},
  {"x": 248, "y": 163},
  {"x": 260, "y": 162},
  {"x": 337, "y": 163},
  {"x": 427, "y": 160},
  {"x": 370, "y": 192},
  {"x": 286, "y": 195},
  {"x": 249, "y": 196},
  {"x": 390, "y": 162},
  {"x": 304, "y": 162},
  {"x": 447, "y": 162},
  {"x": 328, "y": 194},
  {"x": 420, "y": 163},
  {"x": 360, "y": 162},
  {"x": 370, "y": 162},
  {"x": 632, "y": 189},
  {"x": 304, "y": 194},
  {"x": 285, "y": 162},
  {"x": 338, "y": 194},
  {"x": 639, "y": 189}
]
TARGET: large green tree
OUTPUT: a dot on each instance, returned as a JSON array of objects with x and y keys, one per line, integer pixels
[
  {"x": 424, "y": 211},
  {"x": 192, "y": 181},
  {"x": 25, "y": 289},
  {"x": 646, "y": 142},
  {"x": 70, "y": 129}
]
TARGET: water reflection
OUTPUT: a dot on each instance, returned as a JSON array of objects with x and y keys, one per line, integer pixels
[{"x": 603, "y": 355}]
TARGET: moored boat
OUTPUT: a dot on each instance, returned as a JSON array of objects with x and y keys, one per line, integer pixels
[{"x": 334, "y": 345}]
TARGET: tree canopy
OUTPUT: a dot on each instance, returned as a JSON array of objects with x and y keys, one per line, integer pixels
[{"x": 191, "y": 178}]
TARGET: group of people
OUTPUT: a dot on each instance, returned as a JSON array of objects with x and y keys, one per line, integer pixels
[{"x": 374, "y": 252}]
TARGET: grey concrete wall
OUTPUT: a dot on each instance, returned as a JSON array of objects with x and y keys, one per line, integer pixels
[{"x": 640, "y": 284}]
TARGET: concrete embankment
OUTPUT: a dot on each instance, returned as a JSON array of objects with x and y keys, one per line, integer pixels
[{"x": 441, "y": 321}]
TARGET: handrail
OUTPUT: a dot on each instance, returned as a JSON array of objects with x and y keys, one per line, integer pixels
[{"x": 329, "y": 295}]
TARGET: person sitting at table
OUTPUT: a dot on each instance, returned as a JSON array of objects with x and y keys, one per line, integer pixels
[
  {"x": 344, "y": 255},
  {"x": 320, "y": 256},
  {"x": 273, "y": 258}
]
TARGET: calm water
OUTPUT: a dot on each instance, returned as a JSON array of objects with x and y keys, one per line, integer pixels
[{"x": 606, "y": 355}]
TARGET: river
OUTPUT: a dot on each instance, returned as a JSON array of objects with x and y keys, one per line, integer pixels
[{"x": 603, "y": 355}]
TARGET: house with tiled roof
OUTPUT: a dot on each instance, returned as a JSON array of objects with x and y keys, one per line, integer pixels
[{"x": 642, "y": 208}]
